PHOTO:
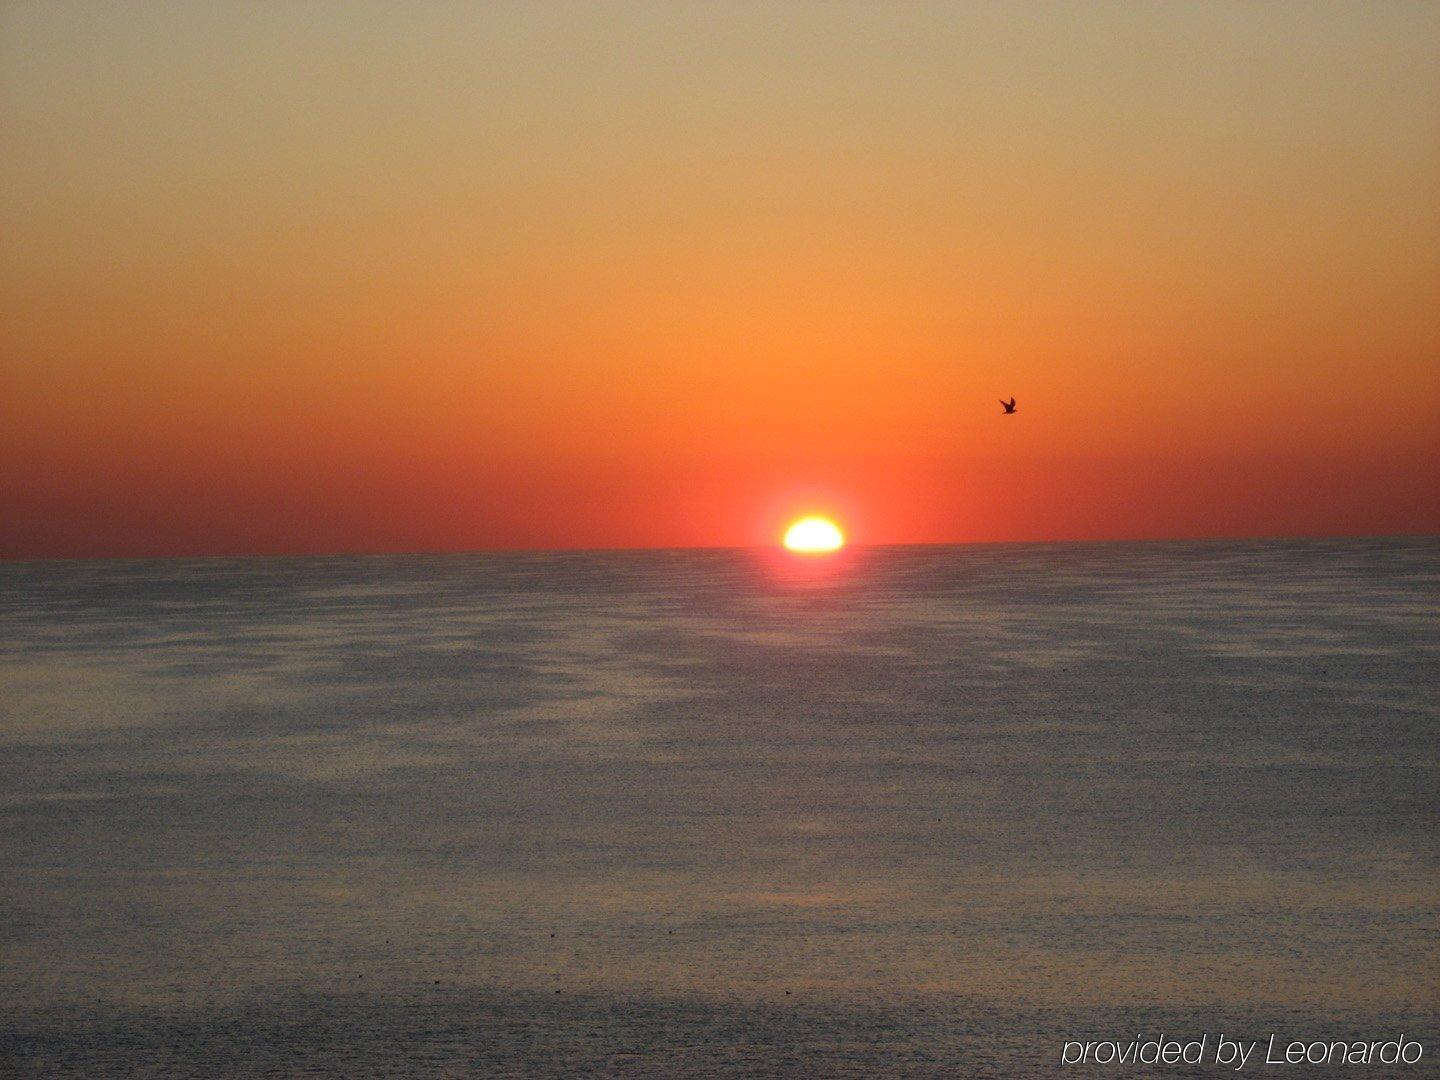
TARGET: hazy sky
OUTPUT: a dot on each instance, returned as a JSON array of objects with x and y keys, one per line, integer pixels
[{"x": 352, "y": 276}]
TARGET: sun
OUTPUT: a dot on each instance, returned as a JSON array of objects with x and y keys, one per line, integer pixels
[{"x": 814, "y": 534}]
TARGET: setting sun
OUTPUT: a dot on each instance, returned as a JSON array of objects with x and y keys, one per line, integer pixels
[{"x": 814, "y": 534}]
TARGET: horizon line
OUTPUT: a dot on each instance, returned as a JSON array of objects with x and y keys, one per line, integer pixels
[{"x": 776, "y": 547}]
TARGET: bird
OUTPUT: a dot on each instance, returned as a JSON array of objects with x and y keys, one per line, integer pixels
[{"x": 1009, "y": 406}]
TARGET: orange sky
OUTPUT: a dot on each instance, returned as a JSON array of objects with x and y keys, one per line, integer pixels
[{"x": 353, "y": 277}]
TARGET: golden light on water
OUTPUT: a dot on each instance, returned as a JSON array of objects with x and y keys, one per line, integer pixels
[{"x": 814, "y": 535}]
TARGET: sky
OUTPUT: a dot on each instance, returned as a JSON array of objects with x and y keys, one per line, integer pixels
[{"x": 329, "y": 277}]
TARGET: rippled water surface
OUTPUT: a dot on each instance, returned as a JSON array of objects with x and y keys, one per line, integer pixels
[{"x": 910, "y": 811}]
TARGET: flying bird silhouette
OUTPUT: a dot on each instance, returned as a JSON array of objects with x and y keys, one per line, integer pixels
[{"x": 1009, "y": 406}]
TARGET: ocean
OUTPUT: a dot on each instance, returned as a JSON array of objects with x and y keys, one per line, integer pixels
[{"x": 909, "y": 811}]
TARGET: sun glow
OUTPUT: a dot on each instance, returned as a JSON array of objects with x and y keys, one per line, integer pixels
[{"x": 814, "y": 534}]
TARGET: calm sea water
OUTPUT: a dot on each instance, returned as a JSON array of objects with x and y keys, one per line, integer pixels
[{"x": 909, "y": 811}]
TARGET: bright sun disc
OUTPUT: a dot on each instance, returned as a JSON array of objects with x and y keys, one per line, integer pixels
[{"x": 814, "y": 534}]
